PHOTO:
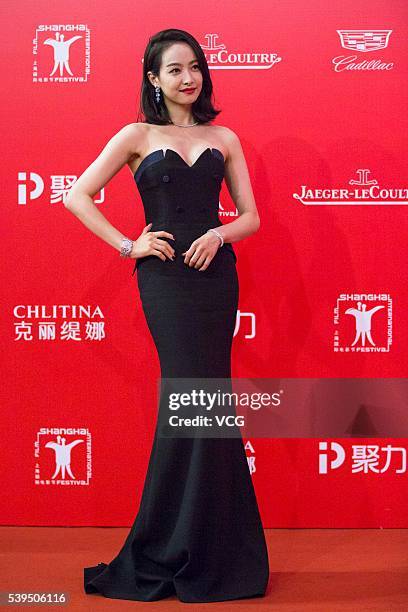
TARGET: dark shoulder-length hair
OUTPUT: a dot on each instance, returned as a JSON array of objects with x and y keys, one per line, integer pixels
[{"x": 203, "y": 109}]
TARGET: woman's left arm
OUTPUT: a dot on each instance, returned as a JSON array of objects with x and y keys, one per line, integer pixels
[
  {"x": 239, "y": 186},
  {"x": 204, "y": 248}
]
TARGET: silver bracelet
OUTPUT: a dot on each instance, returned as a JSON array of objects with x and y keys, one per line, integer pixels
[
  {"x": 218, "y": 234},
  {"x": 126, "y": 247}
]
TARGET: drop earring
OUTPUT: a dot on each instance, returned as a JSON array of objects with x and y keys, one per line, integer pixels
[{"x": 157, "y": 93}]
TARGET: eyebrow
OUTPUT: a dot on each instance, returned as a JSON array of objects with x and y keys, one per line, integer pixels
[{"x": 178, "y": 64}]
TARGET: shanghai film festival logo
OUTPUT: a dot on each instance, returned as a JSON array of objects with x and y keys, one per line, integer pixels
[
  {"x": 63, "y": 456},
  {"x": 61, "y": 53},
  {"x": 363, "y": 323}
]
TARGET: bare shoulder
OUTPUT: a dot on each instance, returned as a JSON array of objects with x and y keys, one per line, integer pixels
[
  {"x": 225, "y": 130},
  {"x": 229, "y": 139},
  {"x": 133, "y": 129},
  {"x": 133, "y": 136}
]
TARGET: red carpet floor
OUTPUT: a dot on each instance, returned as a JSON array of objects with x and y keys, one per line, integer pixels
[{"x": 316, "y": 570}]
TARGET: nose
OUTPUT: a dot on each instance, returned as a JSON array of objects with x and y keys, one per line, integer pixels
[{"x": 188, "y": 80}]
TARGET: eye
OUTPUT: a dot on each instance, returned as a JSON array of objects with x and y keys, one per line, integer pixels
[{"x": 195, "y": 66}]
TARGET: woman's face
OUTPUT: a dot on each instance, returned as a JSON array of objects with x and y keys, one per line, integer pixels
[{"x": 179, "y": 70}]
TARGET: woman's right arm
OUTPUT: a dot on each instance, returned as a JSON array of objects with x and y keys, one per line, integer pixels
[{"x": 116, "y": 153}]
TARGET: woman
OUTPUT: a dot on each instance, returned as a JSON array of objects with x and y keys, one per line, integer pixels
[{"x": 198, "y": 532}]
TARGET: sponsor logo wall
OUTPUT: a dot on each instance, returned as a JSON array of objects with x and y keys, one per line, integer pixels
[{"x": 321, "y": 114}]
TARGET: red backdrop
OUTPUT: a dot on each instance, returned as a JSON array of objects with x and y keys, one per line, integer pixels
[{"x": 317, "y": 93}]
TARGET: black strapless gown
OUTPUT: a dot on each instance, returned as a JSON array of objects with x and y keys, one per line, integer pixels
[{"x": 198, "y": 532}]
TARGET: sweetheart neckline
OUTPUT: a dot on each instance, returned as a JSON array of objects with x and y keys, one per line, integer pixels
[{"x": 165, "y": 151}]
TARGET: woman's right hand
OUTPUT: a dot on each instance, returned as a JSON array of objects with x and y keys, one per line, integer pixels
[{"x": 150, "y": 243}]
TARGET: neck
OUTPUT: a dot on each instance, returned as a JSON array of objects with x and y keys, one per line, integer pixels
[
  {"x": 183, "y": 120},
  {"x": 181, "y": 115}
]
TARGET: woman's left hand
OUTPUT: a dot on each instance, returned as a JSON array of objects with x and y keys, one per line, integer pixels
[{"x": 202, "y": 251}]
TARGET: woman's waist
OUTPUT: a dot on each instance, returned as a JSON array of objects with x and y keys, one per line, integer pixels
[
  {"x": 181, "y": 244},
  {"x": 183, "y": 224},
  {"x": 184, "y": 232}
]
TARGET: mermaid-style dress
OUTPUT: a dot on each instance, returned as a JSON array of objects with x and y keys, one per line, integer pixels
[{"x": 198, "y": 532}]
